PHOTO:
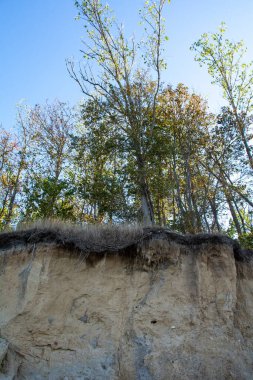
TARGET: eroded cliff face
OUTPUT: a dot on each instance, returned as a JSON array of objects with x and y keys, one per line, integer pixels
[{"x": 180, "y": 312}]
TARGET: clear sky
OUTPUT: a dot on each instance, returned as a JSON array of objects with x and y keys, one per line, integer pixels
[{"x": 37, "y": 36}]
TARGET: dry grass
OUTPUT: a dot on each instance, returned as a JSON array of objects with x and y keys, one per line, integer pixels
[
  {"x": 124, "y": 239},
  {"x": 87, "y": 237}
]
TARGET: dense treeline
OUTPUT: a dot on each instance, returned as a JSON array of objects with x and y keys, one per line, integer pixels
[{"x": 136, "y": 149}]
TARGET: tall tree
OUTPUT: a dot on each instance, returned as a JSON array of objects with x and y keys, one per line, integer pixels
[
  {"x": 13, "y": 164},
  {"x": 99, "y": 164},
  {"x": 111, "y": 72},
  {"x": 47, "y": 188},
  {"x": 223, "y": 160},
  {"x": 224, "y": 61}
]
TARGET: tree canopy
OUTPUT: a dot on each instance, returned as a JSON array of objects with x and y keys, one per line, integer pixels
[{"x": 137, "y": 149}]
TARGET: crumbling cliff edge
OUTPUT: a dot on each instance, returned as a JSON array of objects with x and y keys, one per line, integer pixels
[{"x": 151, "y": 305}]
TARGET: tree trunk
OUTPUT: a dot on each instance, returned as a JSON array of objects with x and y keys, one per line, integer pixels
[
  {"x": 215, "y": 214},
  {"x": 14, "y": 194},
  {"x": 146, "y": 206},
  {"x": 233, "y": 213},
  {"x": 148, "y": 218}
]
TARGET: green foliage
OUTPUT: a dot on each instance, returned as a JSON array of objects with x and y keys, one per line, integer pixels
[
  {"x": 136, "y": 149},
  {"x": 224, "y": 60},
  {"x": 49, "y": 198},
  {"x": 127, "y": 77},
  {"x": 246, "y": 240}
]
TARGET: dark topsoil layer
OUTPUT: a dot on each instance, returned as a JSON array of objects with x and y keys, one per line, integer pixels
[{"x": 101, "y": 240}]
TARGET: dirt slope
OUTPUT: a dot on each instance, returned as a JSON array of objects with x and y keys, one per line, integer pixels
[{"x": 161, "y": 307}]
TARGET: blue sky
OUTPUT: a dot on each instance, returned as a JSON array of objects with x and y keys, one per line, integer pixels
[{"x": 37, "y": 36}]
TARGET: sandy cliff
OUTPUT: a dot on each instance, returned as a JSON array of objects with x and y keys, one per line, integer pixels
[{"x": 163, "y": 307}]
